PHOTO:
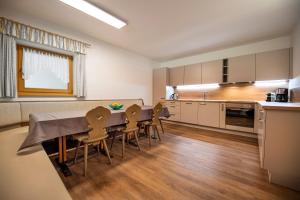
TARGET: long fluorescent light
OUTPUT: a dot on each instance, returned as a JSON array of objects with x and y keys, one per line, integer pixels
[
  {"x": 271, "y": 83},
  {"x": 95, "y": 12},
  {"x": 198, "y": 87}
]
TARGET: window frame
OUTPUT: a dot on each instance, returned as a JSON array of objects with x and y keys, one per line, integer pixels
[{"x": 22, "y": 91}]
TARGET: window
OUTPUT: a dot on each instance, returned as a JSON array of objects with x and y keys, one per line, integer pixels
[{"x": 44, "y": 73}]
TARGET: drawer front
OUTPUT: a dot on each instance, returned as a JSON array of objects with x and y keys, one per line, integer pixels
[
  {"x": 174, "y": 117},
  {"x": 209, "y": 114},
  {"x": 188, "y": 113},
  {"x": 172, "y": 103},
  {"x": 173, "y": 109}
]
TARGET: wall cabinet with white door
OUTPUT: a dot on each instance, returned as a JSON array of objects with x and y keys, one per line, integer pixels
[
  {"x": 273, "y": 65},
  {"x": 193, "y": 74},
  {"x": 176, "y": 76},
  {"x": 212, "y": 72},
  {"x": 188, "y": 112},
  {"x": 209, "y": 114},
  {"x": 241, "y": 69},
  {"x": 160, "y": 81}
]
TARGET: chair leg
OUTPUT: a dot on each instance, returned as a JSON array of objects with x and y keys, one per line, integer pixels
[
  {"x": 113, "y": 139},
  {"x": 161, "y": 126},
  {"x": 137, "y": 140},
  {"x": 123, "y": 144},
  {"x": 148, "y": 134},
  {"x": 98, "y": 148},
  {"x": 76, "y": 151},
  {"x": 138, "y": 133},
  {"x": 106, "y": 150},
  {"x": 158, "y": 135},
  {"x": 85, "y": 158}
]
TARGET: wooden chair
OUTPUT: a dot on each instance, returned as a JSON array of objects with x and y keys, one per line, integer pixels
[
  {"x": 156, "y": 121},
  {"x": 97, "y": 119},
  {"x": 133, "y": 114}
]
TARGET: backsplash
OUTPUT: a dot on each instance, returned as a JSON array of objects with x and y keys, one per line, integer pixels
[
  {"x": 295, "y": 94},
  {"x": 240, "y": 91}
]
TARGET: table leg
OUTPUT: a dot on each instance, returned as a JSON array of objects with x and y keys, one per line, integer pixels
[
  {"x": 64, "y": 147},
  {"x": 62, "y": 156}
]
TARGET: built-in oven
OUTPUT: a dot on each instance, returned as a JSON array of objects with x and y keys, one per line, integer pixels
[{"x": 240, "y": 116}]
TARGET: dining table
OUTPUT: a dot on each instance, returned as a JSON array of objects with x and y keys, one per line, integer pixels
[{"x": 50, "y": 125}]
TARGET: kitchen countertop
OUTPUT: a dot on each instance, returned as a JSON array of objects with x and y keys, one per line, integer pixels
[
  {"x": 279, "y": 105},
  {"x": 265, "y": 105},
  {"x": 217, "y": 100}
]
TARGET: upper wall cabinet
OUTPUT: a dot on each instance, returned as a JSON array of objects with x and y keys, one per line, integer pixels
[
  {"x": 273, "y": 65},
  {"x": 176, "y": 76},
  {"x": 192, "y": 74},
  {"x": 212, "y": 72},
  {"x": 160, "y": 81},
  {"x": 241, "y": 69}
]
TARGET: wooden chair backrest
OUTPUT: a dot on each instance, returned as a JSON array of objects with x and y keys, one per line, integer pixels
[
  {"x": 156, "y": 113},
  {"x": 133, "y": 114},
  {"x": 97, "y": 119}
]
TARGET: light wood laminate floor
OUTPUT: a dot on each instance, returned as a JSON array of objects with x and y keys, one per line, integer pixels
[{"x": 188, "y": 164}]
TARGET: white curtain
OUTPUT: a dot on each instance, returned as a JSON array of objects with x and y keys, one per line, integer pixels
[
  {"x": 31, "y": 34},
  {"x": 35, "y": 61},
  {"x": 7, "y": 66},
  {"x": 79, "y": 89}
]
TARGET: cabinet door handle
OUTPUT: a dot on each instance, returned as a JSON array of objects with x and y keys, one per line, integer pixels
[
  {"x": 188, "y": 103},
  {"x": 172, "y": 106},
  {"x": 202, "y": 103},
  {"x": 162, "y": 98},
  {"x": 222, "y": 107}
]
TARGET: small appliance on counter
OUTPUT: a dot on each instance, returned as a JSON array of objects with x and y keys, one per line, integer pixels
[
  {"x": 282, "y": 95},
  {"x": 174, "y": 96},
  {"x": 271, "y": 97}
]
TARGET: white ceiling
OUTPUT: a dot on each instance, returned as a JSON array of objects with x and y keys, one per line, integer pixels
[{"x": 168, "y": 29}]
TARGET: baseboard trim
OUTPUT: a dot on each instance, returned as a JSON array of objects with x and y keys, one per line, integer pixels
[{"x": 220, "y": 130}]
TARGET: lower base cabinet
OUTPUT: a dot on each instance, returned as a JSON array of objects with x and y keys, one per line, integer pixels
[
  {"x": 209, "y": 114},
  {"x": 279, "y": 139},
  {"x": 188, "y": 112}
]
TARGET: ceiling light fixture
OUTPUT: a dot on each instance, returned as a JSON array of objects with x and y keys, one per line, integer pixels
[
  {"x": 95, "y": 12},
  {"x": 271, "y": 83},
  {"x": 198, "y": 87}
]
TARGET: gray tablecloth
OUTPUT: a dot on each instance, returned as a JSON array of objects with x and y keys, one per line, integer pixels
[{"x": 47, "y": 126}]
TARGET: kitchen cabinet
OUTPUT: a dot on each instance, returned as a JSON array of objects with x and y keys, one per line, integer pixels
[
  {"x": 222, "y": 115},
  {"x": 278, "y": 139},
  {"x": 160, "y": 81},
  {"x": 212, "y": 72},
  {"x": 176, "y": 76},
  {"x": 209, "y": 114},
  {"x": 193, "y": 74},
  {"x": 188, "y": 112},
  {"x": 241, "y": 69},
  {"x": 273, "y": 65},
  {"x": 174, "y": 110}
]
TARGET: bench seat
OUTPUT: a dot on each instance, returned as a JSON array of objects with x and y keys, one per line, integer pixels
[{"x": 29, "y": 175}]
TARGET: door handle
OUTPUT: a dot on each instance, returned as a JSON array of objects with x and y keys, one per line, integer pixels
[
  {"x": 222, "y": 107},
  {"x": 188, "y": 103}
]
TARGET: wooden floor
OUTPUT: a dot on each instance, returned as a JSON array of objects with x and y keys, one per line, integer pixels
[{"x": 188, "y": 164}]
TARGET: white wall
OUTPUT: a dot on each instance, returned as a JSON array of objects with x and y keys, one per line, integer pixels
[
  {"x": 111, "y": 72},
  {"x": 295, "y": 82},
  {"x": 257, "y": 47}
]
